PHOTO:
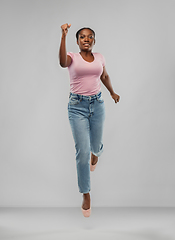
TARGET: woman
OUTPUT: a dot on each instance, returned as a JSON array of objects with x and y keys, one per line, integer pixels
[{"x": 86, "y": 108}]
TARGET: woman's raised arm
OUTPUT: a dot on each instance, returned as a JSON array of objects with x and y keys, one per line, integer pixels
[{"x": 64, "y": 59}]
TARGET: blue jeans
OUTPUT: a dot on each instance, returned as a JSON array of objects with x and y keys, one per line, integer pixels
[{"x": 86, "y": 116}]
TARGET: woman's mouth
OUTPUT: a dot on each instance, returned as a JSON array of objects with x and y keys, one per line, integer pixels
[{"x": 86, "y": 44}]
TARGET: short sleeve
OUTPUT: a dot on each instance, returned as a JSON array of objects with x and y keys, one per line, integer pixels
[
  {"x": 71, "y": 54},
  {"x": 103, "y": 60}
]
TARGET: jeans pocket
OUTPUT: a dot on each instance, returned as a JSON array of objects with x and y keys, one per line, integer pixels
[
  {"x": 100, "y": 99},
  {"x": 73, "y": 100}
]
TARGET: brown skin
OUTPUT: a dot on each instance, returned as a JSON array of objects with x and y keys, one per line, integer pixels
[{"x": 85, "y": 36}]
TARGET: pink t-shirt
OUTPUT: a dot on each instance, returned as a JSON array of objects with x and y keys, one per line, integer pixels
[{"x": 85, "y": 76}]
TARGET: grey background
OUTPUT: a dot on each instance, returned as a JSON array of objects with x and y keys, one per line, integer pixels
[{"x": 37, "y": 156}]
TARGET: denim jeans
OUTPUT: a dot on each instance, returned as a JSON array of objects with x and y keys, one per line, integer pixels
[{"x": 86, "y": 116}]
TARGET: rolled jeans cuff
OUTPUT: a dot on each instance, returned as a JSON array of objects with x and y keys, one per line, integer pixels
[{"x": 100, "y": 152}]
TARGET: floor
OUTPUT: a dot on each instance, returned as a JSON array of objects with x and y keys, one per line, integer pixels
[{"x": 103, "y": 224}]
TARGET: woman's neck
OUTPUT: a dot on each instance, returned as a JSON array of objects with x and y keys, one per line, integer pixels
[{"x": 86, "y": 54}]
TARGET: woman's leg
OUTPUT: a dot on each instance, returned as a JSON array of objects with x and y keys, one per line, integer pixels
[
  {"x": 80, "y": 130},
  {"x": 96, "y": 130}
]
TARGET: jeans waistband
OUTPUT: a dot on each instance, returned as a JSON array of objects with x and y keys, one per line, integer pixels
[{"x": 92, "y": 97}]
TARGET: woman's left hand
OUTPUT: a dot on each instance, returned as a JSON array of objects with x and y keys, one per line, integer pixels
[{"x": 116, "y": 97}]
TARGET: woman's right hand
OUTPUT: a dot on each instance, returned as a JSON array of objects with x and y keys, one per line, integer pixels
[{"x": 64, "y": 28}]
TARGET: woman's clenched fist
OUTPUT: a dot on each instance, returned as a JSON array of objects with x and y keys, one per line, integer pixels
[{"x": 64, "y": 28}]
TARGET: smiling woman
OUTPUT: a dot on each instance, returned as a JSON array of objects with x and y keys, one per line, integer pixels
[
  {"x": 90, "y": 36},
  {"x": 86, "y": 39},
  {"x": 86, "y": 109}
]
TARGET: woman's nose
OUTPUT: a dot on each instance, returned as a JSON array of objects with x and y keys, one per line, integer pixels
[{"x": 86, "y": 38}]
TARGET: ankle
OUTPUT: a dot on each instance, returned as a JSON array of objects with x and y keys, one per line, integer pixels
[{"x": 86, "y": 194}]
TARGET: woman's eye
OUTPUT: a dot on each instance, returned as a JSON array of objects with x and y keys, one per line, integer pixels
[{"x": 89, "y": 37}]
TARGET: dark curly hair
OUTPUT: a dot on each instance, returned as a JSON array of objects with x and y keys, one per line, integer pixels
[{"x": 77, "y": 34}]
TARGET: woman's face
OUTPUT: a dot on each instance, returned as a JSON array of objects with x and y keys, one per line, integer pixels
[{"x": 86, "y": 40}]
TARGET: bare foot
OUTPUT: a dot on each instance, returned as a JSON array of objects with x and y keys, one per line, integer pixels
[
  {"x": 94, "y": 159},
  {"x": 86, "y": 201}
]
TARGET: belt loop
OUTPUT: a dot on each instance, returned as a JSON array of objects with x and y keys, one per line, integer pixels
[{"x": 98, "y": 95}]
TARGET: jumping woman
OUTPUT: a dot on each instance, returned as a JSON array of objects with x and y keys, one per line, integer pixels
[{"x": 86, "y": 109}]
